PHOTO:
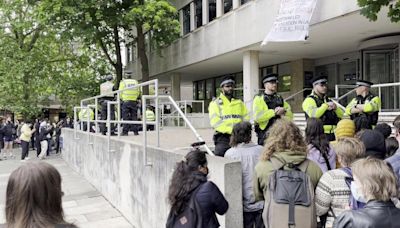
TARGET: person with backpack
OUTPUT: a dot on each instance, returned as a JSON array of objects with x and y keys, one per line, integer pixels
[
  {"x": 333, "y": 195},
  {"x": 375, "y": 183},
  {"x": 194, "y": 200},
  {"x": 248, "y": 153},
  {"x": 319, "y": 149},
  {"x": 285, "y": 179}
]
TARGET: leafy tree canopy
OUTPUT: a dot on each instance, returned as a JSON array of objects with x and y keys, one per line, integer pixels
[{"x": 370, "y": 9}]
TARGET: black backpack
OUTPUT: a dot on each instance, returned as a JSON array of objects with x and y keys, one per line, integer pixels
[{"x": 189, "y": 217}]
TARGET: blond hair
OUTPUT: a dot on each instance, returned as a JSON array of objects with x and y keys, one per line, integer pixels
[
  {"x": 377, "y": 178},
  {"x": 283, "y": 136},
  {"x": 349, "y": 150}
]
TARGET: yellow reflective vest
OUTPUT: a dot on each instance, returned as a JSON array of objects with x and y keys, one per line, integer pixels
[
  {"x": 372, "y": 105},
  {"x": 262, "y": 114},
  {"x": 130, "y": 94},
  {"x": 84, "y": 114},
  {"x": 150, "y": 115},
  {"x": 224, "y": 114},
  {"x": 320, "y": 111}
]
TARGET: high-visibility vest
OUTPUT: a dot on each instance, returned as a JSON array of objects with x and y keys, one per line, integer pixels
[
  {"x": 263, "y": 113},
  {"x": 130, "y": 94},
  {"x": 372, "y": 105},
  {"x": 150, "y": 115},
  {"x": 224, "y": 114},
  {"x": 85, "y": 113},
  {"x": 107, "y": 88},
  {"x": 315, "y": 107}
]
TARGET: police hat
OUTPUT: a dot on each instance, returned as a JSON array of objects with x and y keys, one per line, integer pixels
[
  {"x": 364, "y": 83},
  {"x": 319, "y": 80},
  {"x": 109, "y": 77},
  {"x": 128, "y": 74},
  {"x": 270, "y": 78},
  {"x": 227, "y": 80}
]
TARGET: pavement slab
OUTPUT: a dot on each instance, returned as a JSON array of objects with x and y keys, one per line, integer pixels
[{"x": 83, "y": 204}]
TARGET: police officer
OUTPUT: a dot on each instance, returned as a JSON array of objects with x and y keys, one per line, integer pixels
[
  {"x": 129, "y": 102},
  {"x": 85, "y": 114},
  {"x": 225, "y": 111},
  {"x": 150, "y": 116},
  {"x": 106, "y": 90},
  {"x": 318, "y": 105},
  {"x": 269, "y": 106},
  {"x": 365, "y": 104}
]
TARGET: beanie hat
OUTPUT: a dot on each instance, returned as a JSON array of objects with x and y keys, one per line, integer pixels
[
  {"x": 345, "y": 128},
  {"x": 374, "y": 143}
]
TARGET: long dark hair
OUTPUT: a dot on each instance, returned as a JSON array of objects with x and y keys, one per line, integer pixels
[
  {"x": 33, "y": 197},
  {"x": 316, "y": 137},
  {"x": 185, "y": 179},
  {"x": 241, "y": 133}
]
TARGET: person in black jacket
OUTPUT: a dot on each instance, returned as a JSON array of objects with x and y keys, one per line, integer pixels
[
  {"x": 44, "y": 131},
  {"x": 9, "y": 131},
  {"x": 189, "y": 175},
  {"x": 2, "y": 128},
  {"x": 375, "y": 184}
]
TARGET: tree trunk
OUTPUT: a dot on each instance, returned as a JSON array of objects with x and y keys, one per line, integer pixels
[
  {"x": 25, "y": 102},
  {"x": 144, "y": 62},
  {"x": 118, "y": 64}
]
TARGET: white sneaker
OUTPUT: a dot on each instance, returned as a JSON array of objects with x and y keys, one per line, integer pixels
[
  {"x": 26, "y": 158},
  {"x": 23, "y": 160}
]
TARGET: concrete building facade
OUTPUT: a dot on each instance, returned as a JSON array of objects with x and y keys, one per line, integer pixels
[{"x": 223, "y": 37}]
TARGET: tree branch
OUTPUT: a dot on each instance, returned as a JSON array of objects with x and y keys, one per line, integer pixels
[
  {"x": 104, "y": 48},
  {"x": 35, "y": 37}
]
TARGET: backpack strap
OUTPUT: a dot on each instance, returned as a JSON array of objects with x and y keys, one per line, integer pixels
[{"x": 303, "y": 165}]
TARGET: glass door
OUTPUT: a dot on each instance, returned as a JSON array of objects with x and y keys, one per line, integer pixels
[{"x": 380, "y": 67}]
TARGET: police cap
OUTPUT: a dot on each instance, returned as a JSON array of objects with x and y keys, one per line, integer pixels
[
  {"x": 320, "y": 80},
  {"x": 109, "y": 77},
  {"x": 270, "y": 78},
  {"x": 364, "y": 83},
  {"x": 227, "y": 80}
]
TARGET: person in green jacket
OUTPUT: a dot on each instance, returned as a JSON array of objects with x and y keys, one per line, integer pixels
[
  {"x": 284, "y": 146},
  {"x": 365, "y": 104},
  {"x": 268, "y": 107},
  {"x": 318, "y": 105}
]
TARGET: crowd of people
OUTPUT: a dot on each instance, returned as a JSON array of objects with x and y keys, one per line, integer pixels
[
  {"x": 40, "y": 135},
  {"x": 296, "y": 180}
]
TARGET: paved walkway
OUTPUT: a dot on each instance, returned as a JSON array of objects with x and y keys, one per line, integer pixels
[{"x": 83, "y": 204}]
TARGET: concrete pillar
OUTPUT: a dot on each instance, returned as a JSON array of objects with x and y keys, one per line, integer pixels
[
  {"x": 220, "y": 7},
  {"x": 235, "y": 4},
  {"x": 205, "y": 9},
  {"x": 251, "y": 74},
  {"x": 192, "y": 13},
  {"x": 176, "y": 86},
  {"x": 181, "y": 20},
  {"x": 297, "y": 68}
]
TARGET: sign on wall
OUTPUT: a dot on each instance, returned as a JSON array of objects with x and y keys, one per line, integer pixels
[{"x": 292, "y": 22}]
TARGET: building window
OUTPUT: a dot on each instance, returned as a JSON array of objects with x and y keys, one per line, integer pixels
[
  {"x": 244, "y": 1},
  {"x": 186, "y": 19},
  {"x": 239, "y": 86},
  {"x": 129, "y": 54},
  {"x": 210, "y": 89},
  {"x": 227, "y": 6},
  {"x": 198, "y": 9},
  {"x": 201, "y": 90},
  {"x": 284, "y": 77},
  {"x": 212, "y": 10}
]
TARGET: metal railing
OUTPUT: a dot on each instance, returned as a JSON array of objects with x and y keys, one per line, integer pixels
[
  {"x": 353, "y": 87},
  {"x": 88, "y": 103},
  {"x": 173, "y": 115}
]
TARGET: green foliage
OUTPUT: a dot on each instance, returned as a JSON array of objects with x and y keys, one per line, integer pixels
[
  {"x": 36, "y": 63},
  {"x": 370, "y": 9},
  {"x": 103, "y": 23}
]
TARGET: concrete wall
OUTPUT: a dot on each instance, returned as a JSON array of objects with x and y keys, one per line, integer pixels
[{"x": 139, "y": 191}]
